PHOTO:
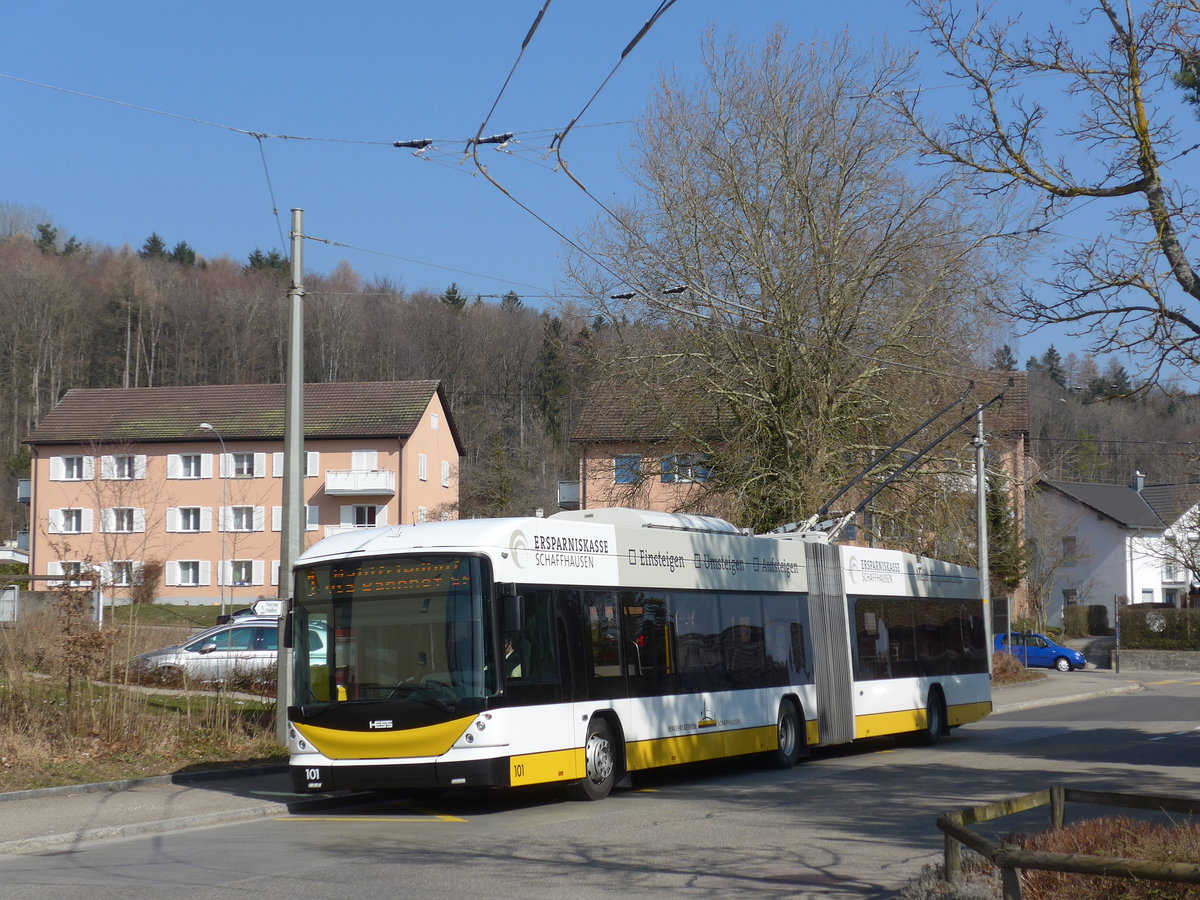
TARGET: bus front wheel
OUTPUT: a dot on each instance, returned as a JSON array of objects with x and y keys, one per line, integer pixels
[
  {"x": 788, "y": 727},
  {"x": 600, "y": 764},
  {"x": 935, "y": 719}
]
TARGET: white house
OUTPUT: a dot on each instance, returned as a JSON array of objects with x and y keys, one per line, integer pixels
[{"x": 1108, "y": 543}]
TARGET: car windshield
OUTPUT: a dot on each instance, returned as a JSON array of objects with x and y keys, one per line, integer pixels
[{"x": 401, "y": 628}]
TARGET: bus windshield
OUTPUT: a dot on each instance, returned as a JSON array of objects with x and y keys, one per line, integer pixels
[{"x": 396, "y": 628}]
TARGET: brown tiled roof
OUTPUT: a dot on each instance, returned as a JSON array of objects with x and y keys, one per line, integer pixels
[
  {"x": 238, "y": 412},
  {"x": 1010, "y": 416}
]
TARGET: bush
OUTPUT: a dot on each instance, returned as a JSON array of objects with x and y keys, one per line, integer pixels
[
  {"x": 1111, "y": 836},
  {"x": 1075, "y": 623},
  {"x": 1007, "y": 669},
  {"x": 1097, "y": 620},
  {"x": 1160, "y": 629}
]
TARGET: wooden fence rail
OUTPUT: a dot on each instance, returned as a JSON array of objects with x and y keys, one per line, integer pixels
[{"x": 1011, "y": 860}]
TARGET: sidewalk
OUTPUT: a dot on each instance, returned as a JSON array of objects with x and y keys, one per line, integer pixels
[
  {"x": 54, "y": 817},
  {"x": 33, "y": 820}
]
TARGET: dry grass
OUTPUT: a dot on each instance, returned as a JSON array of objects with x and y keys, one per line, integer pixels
[
  {"x": 1007, "y": 669},
  {"x": 72, "y": 711}
]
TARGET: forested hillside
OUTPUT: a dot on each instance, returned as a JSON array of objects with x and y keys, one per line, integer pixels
[
  {"x": 1092, "y": 421},
  {"x": 81, "y": 316}
]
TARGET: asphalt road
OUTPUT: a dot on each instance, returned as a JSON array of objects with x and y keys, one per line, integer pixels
[{"x": 852, "y": 823}]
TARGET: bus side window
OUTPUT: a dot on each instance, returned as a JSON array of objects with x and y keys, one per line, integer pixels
[{"x": 604, "y": 632}]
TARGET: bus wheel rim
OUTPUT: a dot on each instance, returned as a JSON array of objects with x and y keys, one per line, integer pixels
[{"x": 599, "y": 759}]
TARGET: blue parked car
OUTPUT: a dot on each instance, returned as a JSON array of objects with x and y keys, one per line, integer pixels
[{"x": 1038, "y": 650}]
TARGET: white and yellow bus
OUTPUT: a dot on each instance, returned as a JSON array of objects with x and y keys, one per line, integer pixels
[{"x": 580, "y": 648}]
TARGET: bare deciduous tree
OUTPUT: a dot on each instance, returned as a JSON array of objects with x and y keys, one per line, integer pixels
[
  {"x": 786, "y": 284},
  {"x": 1106, "y": 138}
]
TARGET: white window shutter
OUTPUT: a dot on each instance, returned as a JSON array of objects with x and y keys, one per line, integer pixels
[
  {"x": 260, "y": 518},
  {"x": 275, "y": 572},
  {"x": 58, "y": 469},
  {"x": 55, "y": 523},
  {"x": 445, "y": 473},
  {"x": 85, "y": 521},
  {"x": 54, "y": 568},
  {"x": 136, "y": 572},
  {"x": 223, "y": 567},
  {"x": 381, "y": 515},
  {"x": 206, "y": 518},
  {"x": 108, "y": 467},
  {"x": 174, "y": 465},
  {"x": 139, "y": 519},
  {"x": 139, "y": 466},
  {"x": 312, "y": 463},
  {"x": 260, "y": 465},
  {"x": 226, "y": 467},
  {"x": 205, "y": 572},
  {"x": 277, "y": 518},
  {"x": 258, "y": 572},
  {"x": 223, "y": 516},
  {"x": 172, "y": 518},
  {"x": 346, "y": 516},
  {"x": 277, "y": 465},
  {"x": 206, "y": 466},
  {"x": 312, "y": 518},
  {"x": 108, "y": 520},
  {"x": 89, "y": 468},
  {"x": 171, "y": 573}
]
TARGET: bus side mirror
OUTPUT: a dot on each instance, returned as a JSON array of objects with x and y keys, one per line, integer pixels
[
  {"x": 512, "y": 609},
  {"x": 288, "y": 622}
]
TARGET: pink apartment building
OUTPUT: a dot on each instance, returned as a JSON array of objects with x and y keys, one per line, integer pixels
[{"x": 189, "y": 480}]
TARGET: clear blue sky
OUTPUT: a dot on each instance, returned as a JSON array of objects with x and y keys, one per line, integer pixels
[{"x": 364, "y": 74}]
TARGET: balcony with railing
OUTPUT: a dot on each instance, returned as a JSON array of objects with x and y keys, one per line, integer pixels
[{"x": 360, "y": 481}]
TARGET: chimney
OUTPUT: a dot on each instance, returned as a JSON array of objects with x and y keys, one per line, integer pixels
[{"x": 1138, "y": 481}]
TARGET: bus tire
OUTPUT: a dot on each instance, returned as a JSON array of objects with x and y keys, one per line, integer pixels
[
  {"x": 600, "y": 757},
  {"x": 935, "y": 718},
  {"x": 790, "y": 734}
]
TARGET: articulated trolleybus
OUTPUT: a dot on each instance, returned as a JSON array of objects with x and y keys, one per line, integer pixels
[{"x": 582, "y": 647}]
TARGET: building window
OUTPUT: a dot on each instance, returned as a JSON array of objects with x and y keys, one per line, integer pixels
[
  {"x": 433, "y": 421},
  {"x": 626, "y": 469},
  {"x": 72, "y": 521},
  {"x": 685, "y": 467},
  {"x": 124, "y": 467},
  {"x": 1147, "y": 595},
  {"x": 364, "y": 516},
  {"x": 122, "y": 573},
  {"x": 73, "y": 468},
  {"x": 189, "y": 518},
  {"x": 243, "y": 465},
  {"x": 445, "y": 473},
  {"x": 189, "y": 573},
  {"x": 74, "y": 573},
  {"x": 242, "y": 571},
  {"x": 1069, "y": 549},
  {"x": 422, "y": 514},
  {"x": 123, "y": 519},
  {"x": 1070, "y": 596},
  {"x": 189, "y": 465},
  {"x": 422, "y": 467},
  {"x": 1172, "y": 572},
  {"x": 241, "y": 518}
]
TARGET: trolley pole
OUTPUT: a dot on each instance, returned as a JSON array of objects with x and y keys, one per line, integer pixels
[
  {"x": 985, "y": 588},
  {"x": 293, "y": 473}
]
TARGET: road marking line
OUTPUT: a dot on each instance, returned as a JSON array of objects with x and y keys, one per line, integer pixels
[
  {"x": 430, "y": 818},
  {"x": 1173, "y": 681}
]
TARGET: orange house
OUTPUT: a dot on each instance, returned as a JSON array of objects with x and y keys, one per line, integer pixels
[{"x": 187, "y": 482}]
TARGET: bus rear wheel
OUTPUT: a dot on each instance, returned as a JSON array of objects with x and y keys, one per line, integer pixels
[
  {"x": 600, "y": 764},
  {"x": 788, "y": 727}
]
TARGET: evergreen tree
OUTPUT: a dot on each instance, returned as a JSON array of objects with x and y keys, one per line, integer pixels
[
  {"x": 1007, "y": 558},
  {"x": 47, "y": 239},
  {"x": 183, "y": 254},
  {"x": 1188, "y": 80},
  {"x": 268, "y": 262},
  {"x": 1052, "y": 365},
  {"x": 454, "y": 298},
  {"x": 1003, "y": 360},
  {"x": 154, "y": 248},
  {"x": 511, "y": 302}
]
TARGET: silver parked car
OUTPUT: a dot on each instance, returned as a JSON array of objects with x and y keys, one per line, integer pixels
[{"x": 245, "y": 645}]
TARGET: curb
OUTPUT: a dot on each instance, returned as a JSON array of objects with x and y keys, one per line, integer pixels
[
  {"x": 1069, "y": 698},
  {"x": 127, "y": 783}
]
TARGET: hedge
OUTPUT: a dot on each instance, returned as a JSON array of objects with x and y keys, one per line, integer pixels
[{"x": 1160, "y": 629}]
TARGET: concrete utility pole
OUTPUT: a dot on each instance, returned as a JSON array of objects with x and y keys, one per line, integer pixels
[
  {"x": 985, "y": 587},
  {"x": 293, "y": 472}
]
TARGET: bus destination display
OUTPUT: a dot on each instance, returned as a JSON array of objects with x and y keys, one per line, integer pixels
[{"x": 387, "y": 577}]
